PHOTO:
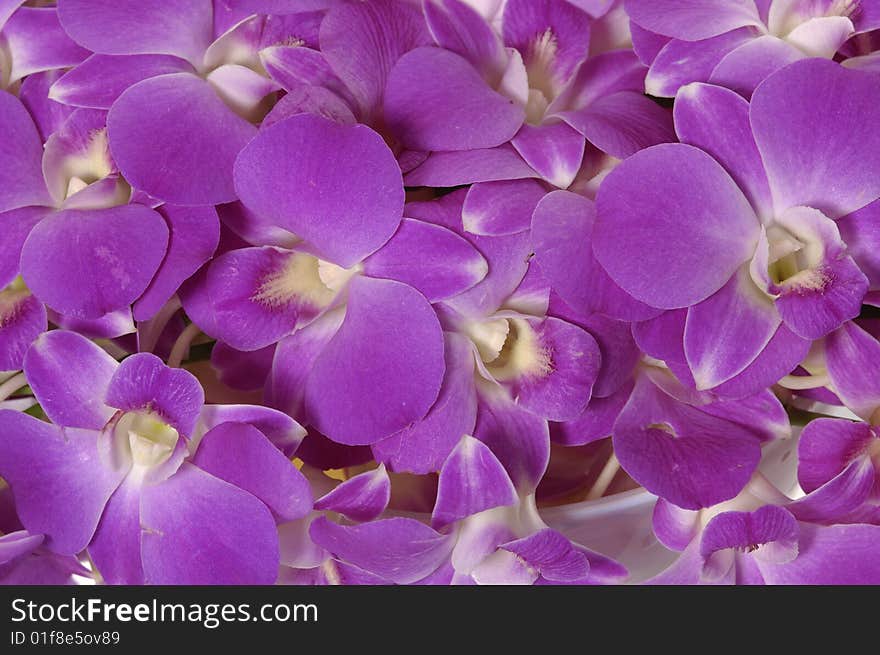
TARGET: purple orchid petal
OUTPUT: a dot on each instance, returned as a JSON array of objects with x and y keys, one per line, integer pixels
[
  {"x": 595, "y": 423},
  {"x": 810, "y": 160},
  {"x": 36, "y": 42},
  {"x": 559, "y": 386},
  {"x": 34, "y": 93},
  {"x": 681, "y": 62},
  {"x": 762, "y": 414},
  {"x": 71, "y": 400},
  {"x": 861, "y": 233},
  {"x": 185, "y": 153},
  {"x": 7, "y": 8},
  {"x": 21, "y": 176},
  {"x": 244, "y": 371},
  {"x": 22, "y": 320},
  {"x": 382, "y": 370},
  {"x": 519, "y": 439},
  {"x": 673, "y": 526},
  {"x": 284, "y": 433},
  {"x": 693, "y": 20},
  {"x": 622, "y": 123},
  {"x": 840, "y": 496},
  {"x": 699, "y": 221},
  {"x": 398, "y": 549},
  {"x": 306, "y": 155},
  {"x": 247, "y": 92},
  {"x": 101, "y": 79},
  {"x": 680, "y": 453},
  {"x": 562, "y": 227},
  {"x": 472, "y": 480},
  {"x": 500, "y": 208},
  {"x": 554, "y": 150},
  {"x": 290, "y": 23},
  {"x": 16, "y": 544},
  {"x": 726, "y": 332},
  {"x": 504, "y": 568},
  {"x": 143, "y": 381},
  {"x": 129, "y": 27},
  {"x": 116, "y": 547},
  {"x": 618, "y": 349},
  {"x": 361, "y": 498},
  {"x": 243, "y": 456},
  {"x": 305, "y": 99},
  {"x": 69, "y": 263},
  {"x": 433, "y": 260},
  {"x": 435, "y": 100},
  {"x": 43, "y": 463},
  {"x": 821, "y": 36},
  {"x": 750, "y": 63},
  {"x": 717, "y": 121},
  {"x": 194, "y": 233},
  {"x": 363, "y": 41},
  {"x": 646, "y": 44},
  {"x": 827, "y": 446},
  {"x": 552, "y": 555},
  {"x": 447, "y": 169},
  {"x": 851, "y": 354},
  {"x": 253, "y": 229},
  {"x": 839, "y": 554},
  {"x": 198, "y": 529},
  {"x": 422, "y": 447},
  {"x": 458, "y": 28},
  {"x": 292, "y": 66}
]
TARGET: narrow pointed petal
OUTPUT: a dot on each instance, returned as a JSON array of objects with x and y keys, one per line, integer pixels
[
  {"x": 676, "y": 210},
  {"x": 431, "y": 259},
  {"x": 554, "y": 150},
  {"x": 499, "y": 208},
  {"x": 693, "y": 20},
  {"x": 457, "y": 27},
  {"x": 811, "y": 158},
  {"x": 72, "y": 400},
  {"x": 42, "y": 463},
  {"x": 101, "y": 79},
  {"x": 382, "y": 370},
  {"x": 363, "y": 41},
  {"x": 361, "y": 498},
  {"x": 143, "y": 381},
  {"x": 283, "y": 175},
  {"x": 183, "y": 155},
  {"x": 243, "y": 456},
  {"x": 423, "y": 447},
  {"x": 472, "y": 480},
  {"x": 21, "y": 150},
  {"x": 201, "y": 530},
  {"x": 851, "y": 354},
  {"x": 72, "y": 264},
  {"x": 398, "y": 549},
  {"x": 716, "y": 120},
  {"x": 842, "y": 495},
  {"x": 128, "y": 27},
  {"x": 435, "y": 100},
  {"x": 448, "y": 169}
]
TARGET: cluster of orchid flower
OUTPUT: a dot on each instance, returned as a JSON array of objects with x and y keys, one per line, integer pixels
[{"x": 392, "y": 291}]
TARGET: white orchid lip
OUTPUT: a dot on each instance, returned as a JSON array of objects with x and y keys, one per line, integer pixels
[
  {"x": 508, "y": 348},
  {"x": 144, "y": 438},
  {"x": 307, "y": 279}
]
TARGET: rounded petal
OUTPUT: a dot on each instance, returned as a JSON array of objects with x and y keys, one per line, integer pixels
[
  {"x": 361, "y": 498},
  {"x": 693, "y": 20},
  {"x": 21, "y": 152}
]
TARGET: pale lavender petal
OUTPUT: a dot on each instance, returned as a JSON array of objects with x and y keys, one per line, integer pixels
[
  {"x": 70, "y": 375},
  {"x": 435, "y": 100},
  {"x": 143, "y": 381},
  {"x": 693, "y": 20},
  {"x": 519, "y": 439},
  {"x": 851, "y": 354},
  {"x": 382, "y": 370},
  {"x": 717, "y": 120},
  {"x": 422, "y": 447},
  {"x": 21, "y": 151},
  {"x": 128, "y": 27},
  {"x": 826, "y": 448},
  {"x": 200, "y": 530},
  {"x": 472, "y": 480},
  {"x": 361, "y": 498},
  {"x": 811, "y": 158},
  {"x": 674, "y": 209},
  {"x": 194, "y": 233},
  {"x": 448, "y": 169},
  {"x": 398, "y": 549},
  {"x": 72, "y": 264},
  {"x": 100, "y": 80},
  {"x": 673, "y": 526},
  {"x": 746, "y": 66},
  {"x": 116, "y": 547},
  {"x": 431, "y": 259},
  {"x": 284, "y": 173},
  {"x": 363, "y": 41},
  {"x": 555, "y": 150},
  {"x": 499, "y": 208},
  {"x": 243, "y": 456},
  {"x": 43, "y": 463},
  {"x": 184, "y": 154}
]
